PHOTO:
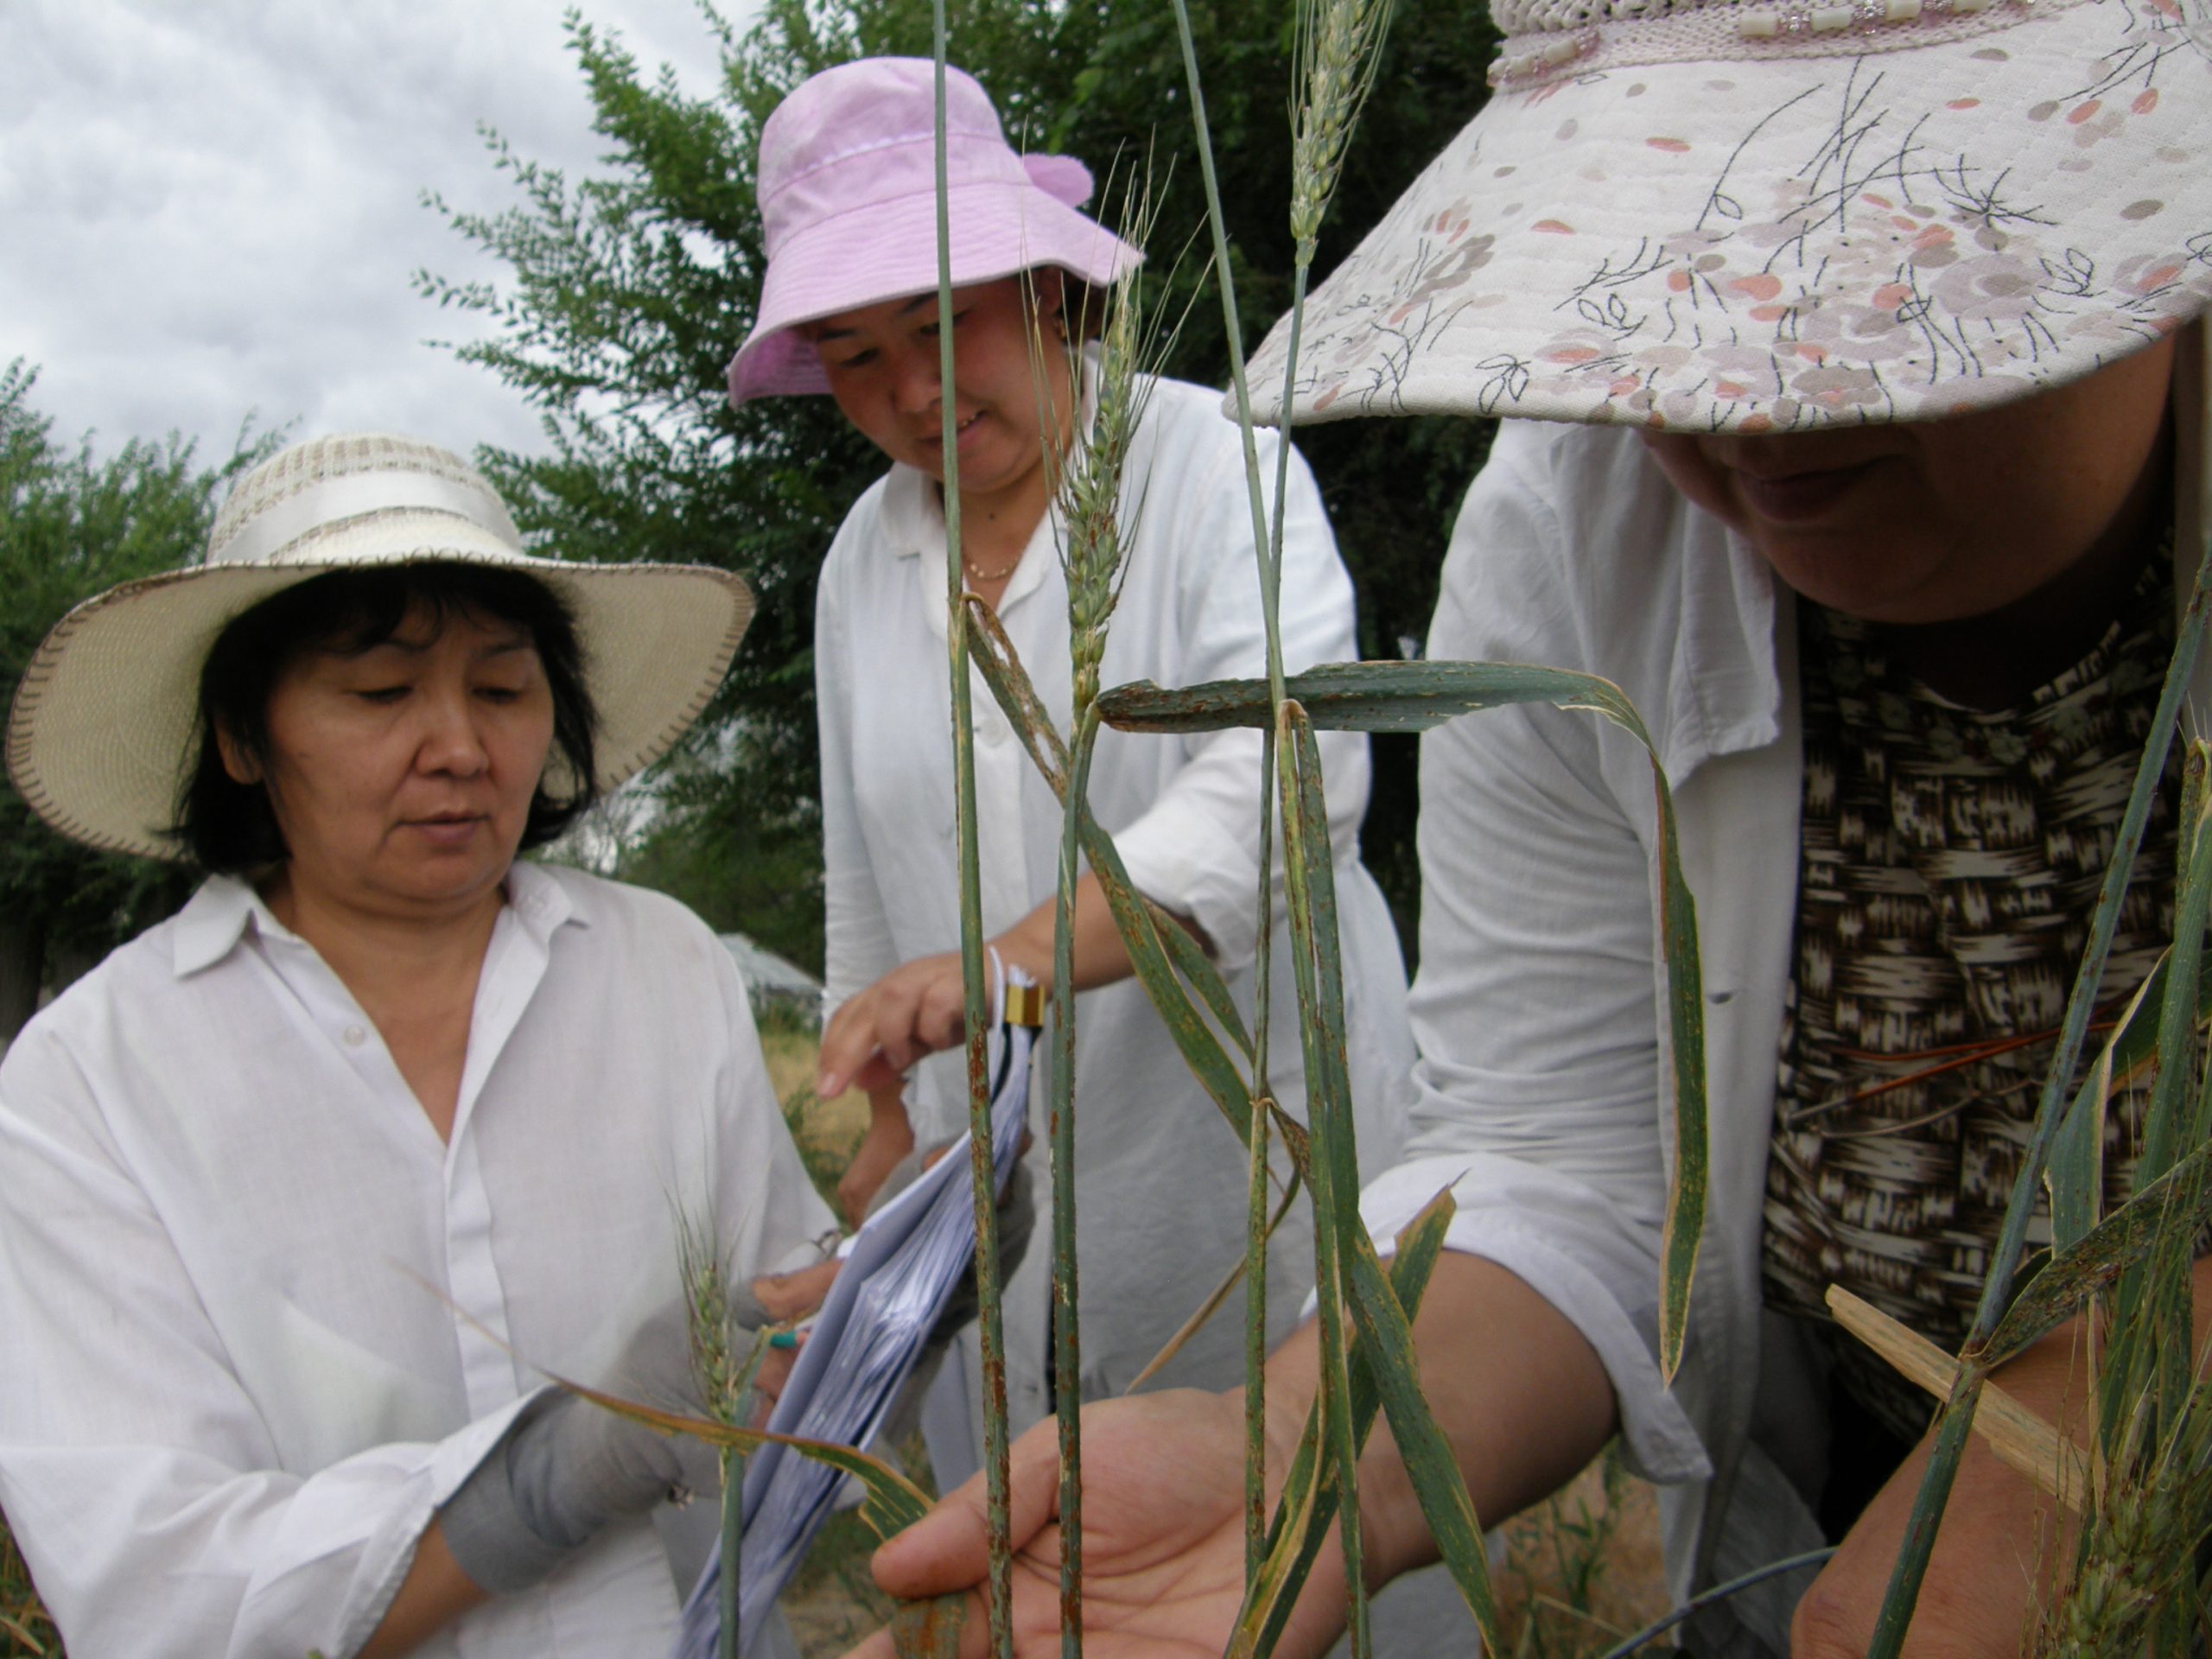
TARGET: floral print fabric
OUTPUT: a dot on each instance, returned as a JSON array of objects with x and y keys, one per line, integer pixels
[{"x": 1779, "y": 242}]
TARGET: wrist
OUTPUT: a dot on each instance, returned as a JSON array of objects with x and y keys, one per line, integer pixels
[{"x": 1028, "y": 947}]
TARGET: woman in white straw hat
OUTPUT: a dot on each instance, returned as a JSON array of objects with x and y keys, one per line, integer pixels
[
  {"x": 849, "y": 308},
  {"x": 299, "y": 1189},
  {"x": 1871, "y": 341}
]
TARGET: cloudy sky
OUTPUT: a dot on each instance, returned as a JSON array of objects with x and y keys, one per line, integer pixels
[{"x": 210, "y": 209}]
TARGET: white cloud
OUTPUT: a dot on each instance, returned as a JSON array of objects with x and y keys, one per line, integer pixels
[{"x": 209, "y": 213}]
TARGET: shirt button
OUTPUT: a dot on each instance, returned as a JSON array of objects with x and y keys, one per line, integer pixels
[{"x": 355, "y": 1036}]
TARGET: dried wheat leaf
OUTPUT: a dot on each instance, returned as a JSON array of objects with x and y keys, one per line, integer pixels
[{"x": 2021, "y": 1440}]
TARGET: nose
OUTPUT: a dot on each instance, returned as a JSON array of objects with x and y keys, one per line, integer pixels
[
  {"x": 450, "y": 741},
  {"x": 915, "y": 384}
]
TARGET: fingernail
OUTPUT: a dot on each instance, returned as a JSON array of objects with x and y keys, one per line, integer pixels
[{"x": 828, "y": 1084}]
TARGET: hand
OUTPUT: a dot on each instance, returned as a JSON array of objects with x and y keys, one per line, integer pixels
[
  {"x": 784, "y": 1297},
  {"x": 1163, "y": 1539},
  {"x": 917, "y": 1009},
  {"x": 1987, "y": 1577},
  {"x": 875, "y": 1037}
]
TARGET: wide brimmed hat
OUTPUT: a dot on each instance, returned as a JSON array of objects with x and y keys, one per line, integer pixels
[
  {"x": 1755, "y": 215},
  {"x": 106, "y": 721},
  {"x": 847, "y": 181}
]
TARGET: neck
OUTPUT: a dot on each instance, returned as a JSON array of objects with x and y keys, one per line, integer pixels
[
  {"x": 387, "y": 959},
  {"x": 996, "y": 527},
  {"x": 1997, "y": 660}
]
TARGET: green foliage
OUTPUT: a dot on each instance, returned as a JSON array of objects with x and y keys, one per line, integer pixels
[
  {"x": 626, "y": 295},
  {"x": 71, "y": 526}
]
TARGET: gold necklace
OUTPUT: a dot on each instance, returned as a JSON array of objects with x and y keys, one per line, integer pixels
[{"x": 999, "y": 574}]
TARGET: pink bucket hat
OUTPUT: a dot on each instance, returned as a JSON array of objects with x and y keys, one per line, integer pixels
[
  {"x": 1768, "y": 215},
  {"x": 847, "y": 181}
]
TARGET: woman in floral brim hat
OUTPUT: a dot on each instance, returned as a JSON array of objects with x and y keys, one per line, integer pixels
[
  {"x": 1855, "y": 374},
  {"x": 849, "y": 308}
]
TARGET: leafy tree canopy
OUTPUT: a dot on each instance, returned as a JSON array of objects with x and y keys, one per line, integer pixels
[
  {"x": 626, "y": 293},
  {"x": 71, "y": 526}
]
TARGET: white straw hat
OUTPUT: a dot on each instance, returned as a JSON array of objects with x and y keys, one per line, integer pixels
[
  {"x": 105, "y": 721},
  {"x": 1760, "y": 215}
]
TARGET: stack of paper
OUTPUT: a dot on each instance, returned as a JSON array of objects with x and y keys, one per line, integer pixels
[{"x": 900, "y": 1271}]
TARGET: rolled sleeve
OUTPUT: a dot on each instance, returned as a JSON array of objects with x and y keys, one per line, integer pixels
[
  {"x": 1183, "y": 855},
  {"x": 1535, "y": 1225}
]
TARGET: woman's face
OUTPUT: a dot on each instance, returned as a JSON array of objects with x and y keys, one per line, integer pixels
[
  {"x": 1934, "y": 522},
  {"x": 402, "y": 775},
  {"x": 882, "y": 364}
]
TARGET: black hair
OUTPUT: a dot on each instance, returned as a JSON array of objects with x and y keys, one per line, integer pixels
[{"x": 229, "y": 827}]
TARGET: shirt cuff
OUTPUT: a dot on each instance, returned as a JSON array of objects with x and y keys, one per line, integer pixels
[
  {"x": 1185, "y": 861},
  {"x": 1656, "y": 1432}
]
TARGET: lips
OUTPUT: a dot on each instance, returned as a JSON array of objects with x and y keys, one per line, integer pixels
[
  {"x": 1798, "y": 497},
  {"x": 934, "y": 437},
  {"x": 447, "y": 826}
]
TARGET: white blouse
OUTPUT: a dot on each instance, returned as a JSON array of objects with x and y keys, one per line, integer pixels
[
  {"x": 262, "y": 1322},
  {"x": 1161, "y": 1181}
]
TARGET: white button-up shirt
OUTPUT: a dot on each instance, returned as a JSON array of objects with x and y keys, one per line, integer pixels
[{"x": 261, "y": 1321}]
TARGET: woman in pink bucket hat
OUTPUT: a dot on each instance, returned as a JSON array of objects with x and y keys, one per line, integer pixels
[
  {"x": 850, "y": 307},
  {"x": 1855, "y": 368}
]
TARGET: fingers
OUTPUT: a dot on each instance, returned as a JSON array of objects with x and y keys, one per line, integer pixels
[
  {"x": 874, "y": 1037},
  {"x": 848, "y": 1043},
  {"x": 788, "y": 1296},
  {"x": 948, "y": 1548}
]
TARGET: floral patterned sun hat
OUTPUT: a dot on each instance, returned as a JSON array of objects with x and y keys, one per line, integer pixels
[{"x": 1761, "y": 215}]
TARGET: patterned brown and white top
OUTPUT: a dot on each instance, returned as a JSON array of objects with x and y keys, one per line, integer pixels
[{"x": 1950, "y": 865}]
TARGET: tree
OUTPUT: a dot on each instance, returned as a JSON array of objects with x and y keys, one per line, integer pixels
[
  {"x": 628, "y": 294},
  {"x": 71, "y": 526}
]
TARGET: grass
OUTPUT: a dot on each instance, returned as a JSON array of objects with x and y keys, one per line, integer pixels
[
  {"x": 25, "y": 1631},
  {"x": 1582, "y": 1570}
]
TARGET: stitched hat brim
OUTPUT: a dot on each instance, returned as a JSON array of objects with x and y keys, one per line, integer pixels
[
  {"x": 103, "y": 729},
  {"x": 887, "y": 251},
  {"x": 1880, "y": 235}
]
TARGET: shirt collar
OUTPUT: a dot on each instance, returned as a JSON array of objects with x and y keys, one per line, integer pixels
[
  {"x": 209, "y": 927},
  {"x": 217, "y": 917}
]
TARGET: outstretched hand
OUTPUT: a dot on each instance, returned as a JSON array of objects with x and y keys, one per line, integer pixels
[{"x": 1163, "y": 1539}]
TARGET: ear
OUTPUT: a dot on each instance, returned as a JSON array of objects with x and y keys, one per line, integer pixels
[
  {"x": 1048, "y": 296},
  {"x": 238, "y": 763}
]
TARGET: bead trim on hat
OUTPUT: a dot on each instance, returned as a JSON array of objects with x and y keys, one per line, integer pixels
[{"x": 1617, "y": 33}]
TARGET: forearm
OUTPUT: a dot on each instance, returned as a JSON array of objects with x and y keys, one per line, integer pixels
[
  {"x": 434, "y": 1593},
  {"x": 1518, "y": 1394},
  {"x": 1100, "y": 958}
]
